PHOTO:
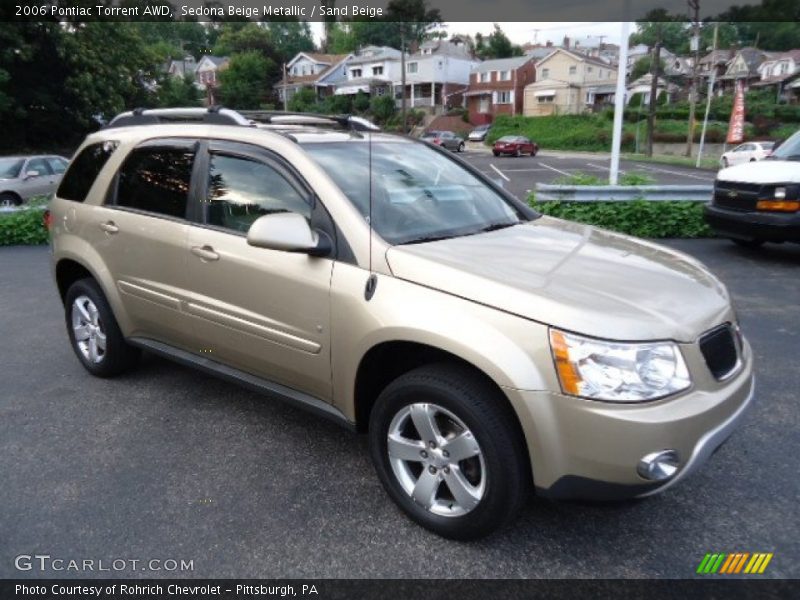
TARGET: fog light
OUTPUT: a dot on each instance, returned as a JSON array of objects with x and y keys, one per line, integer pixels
[{"x": 658, "y": 466}]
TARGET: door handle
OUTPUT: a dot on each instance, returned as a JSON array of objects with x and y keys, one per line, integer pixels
[
  {"x": 205, "y": 252},
  {"x": 109, "y": 227}
]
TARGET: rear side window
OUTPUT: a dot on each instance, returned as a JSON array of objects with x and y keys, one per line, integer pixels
[
  {"x": 84, "y": 169},
  {"x": 156, "y": 180}
]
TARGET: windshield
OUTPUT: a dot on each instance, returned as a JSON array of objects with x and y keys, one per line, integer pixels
[
  {"x": 788, "y": 150},
  {"x": 10, "y": 167},
  {"x": 418, "y": 194},
  {"x": 508, "y": 138}
]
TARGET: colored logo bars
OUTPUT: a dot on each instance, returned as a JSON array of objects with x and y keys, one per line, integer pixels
[{"x": 737, "y": 562}]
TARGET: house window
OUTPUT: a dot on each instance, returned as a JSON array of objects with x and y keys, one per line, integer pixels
[
  {"x": 412, "y": 67},
  {"x": 505, "y": 75},
  {"x": 355, "y": 73},
  {"x": 377, "y": 70},
  {"x": 484, "y": 77},
  {"x": 589, "y": 69},
  {"x": 545, "y": 73},
  {"x": 380, "y": 91},
  {"x": 573, "y": 70},
  {"x": 784, "y": 68},
  {"x": 545, "y": 99},
  {"x": 503, "y": 98}
]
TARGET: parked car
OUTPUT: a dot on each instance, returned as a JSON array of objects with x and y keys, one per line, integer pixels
[
  {"x": 22, "y": 177},
  {"x": 749, "y": 152},
  {"x": 759, "y": 202},
  {"x": 445, "y": 139},
  {"x": 479, "y": 133},
  {"x": 514, "y": 145},
  {"x": 379, "y": 282}
]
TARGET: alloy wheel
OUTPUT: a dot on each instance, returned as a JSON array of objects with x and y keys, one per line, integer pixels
[
  {"x": 436, "y": 459},
  {"x": 90, "y": 335}
]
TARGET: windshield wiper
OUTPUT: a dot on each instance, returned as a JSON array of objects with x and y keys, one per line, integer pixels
[
  {"x": 496, "y": 226},
  {"x": 425, "y": 238}
]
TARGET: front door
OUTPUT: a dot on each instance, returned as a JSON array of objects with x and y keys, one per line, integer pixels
[
  {"x": 263, "y": 311},
  {"x": 42, "y": 183},
  {"x": 483, "y": 105}
]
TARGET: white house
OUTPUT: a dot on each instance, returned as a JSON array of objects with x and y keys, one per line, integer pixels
[
  {"x": 372, "y": 70},
  {"x": 207, "y": 71},
  {"x": 437, "y": 74}
]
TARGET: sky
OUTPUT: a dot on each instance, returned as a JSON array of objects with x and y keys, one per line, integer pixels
[{"x": 521, "y": 33}]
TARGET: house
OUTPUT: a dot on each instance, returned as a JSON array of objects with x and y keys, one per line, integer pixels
[
  {"x": 496, "y": 87},
  {"x": 642, "y": 87},
  {"x": 569, "y": 83},
  {"x": 743, "y": 66},
  {"x": 437, "y": 75},
  {"x": 715, "y": 62},
  {"x": 372, "y": 70},
  {"x": 781, "y": 71},
  {"x": 183, "y": 67},
  {"x": 207, "y": 71},
  {"x": 636, "y": 53},
  {"x": 319, "y": 72}
]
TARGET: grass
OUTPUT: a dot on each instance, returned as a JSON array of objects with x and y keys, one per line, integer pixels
[
  {"x": 579, "y": 178},
  {"x": 707, "y": 162}
]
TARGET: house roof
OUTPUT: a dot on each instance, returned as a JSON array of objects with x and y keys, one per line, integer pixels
[
  {"x": 578, "y": 56},
  {"x": 442, "y": 48},
  {"x": 717, "y": 57},
  {"x": 501, "y": 64},
  {"x": 375, "y": 54},
  {"x": 183, "y": 66},
  {"x": 217, "y": 61},
  {"x": 332, "y": 60},
  {"x": 319, "y": 58}
]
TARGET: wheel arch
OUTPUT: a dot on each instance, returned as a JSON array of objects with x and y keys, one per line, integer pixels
[{"x": 18, "y": 198}]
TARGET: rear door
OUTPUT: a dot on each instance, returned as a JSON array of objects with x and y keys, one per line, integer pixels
[
  {"x": 141, "y": 232},
  {"x": 44, "y": 182},
  {"x": 266, "y": 312}
]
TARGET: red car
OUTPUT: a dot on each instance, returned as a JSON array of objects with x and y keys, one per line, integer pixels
[{"x": 515, "y": 145}]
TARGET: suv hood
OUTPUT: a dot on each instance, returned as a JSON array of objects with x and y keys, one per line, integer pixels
[
  {"x": 763, "y": 171},
  {"x": 574, "y": 277}
]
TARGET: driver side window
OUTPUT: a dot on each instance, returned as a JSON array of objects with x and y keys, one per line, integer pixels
[{"x": 242, "y": 189}]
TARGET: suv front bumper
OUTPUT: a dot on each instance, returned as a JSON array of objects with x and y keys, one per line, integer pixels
[
  {"x": 588, "y": 449},
  {"x": 753, "y": 225}
]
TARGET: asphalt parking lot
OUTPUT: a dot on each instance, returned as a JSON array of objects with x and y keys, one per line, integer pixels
[
  {"x": 520, "y": 175},
  {"x": 169, "y": 463}
]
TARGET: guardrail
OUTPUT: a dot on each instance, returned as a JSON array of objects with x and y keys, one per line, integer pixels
[{"x": 622, "y": 193}]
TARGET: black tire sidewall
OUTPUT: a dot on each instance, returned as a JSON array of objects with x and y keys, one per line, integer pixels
[{"x": 499, "y": 502}]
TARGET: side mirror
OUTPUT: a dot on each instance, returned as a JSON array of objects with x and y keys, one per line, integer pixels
[
  {"x": 30, "y": 174},
  {"x": 289, "y": 232}
]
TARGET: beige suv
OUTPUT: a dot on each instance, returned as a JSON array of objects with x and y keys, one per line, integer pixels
[{"x": 385, "y": 284}]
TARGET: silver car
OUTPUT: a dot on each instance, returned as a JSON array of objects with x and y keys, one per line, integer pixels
[
  {"x": 23, "y": 177},
  {"x": 445, "y": 139}
]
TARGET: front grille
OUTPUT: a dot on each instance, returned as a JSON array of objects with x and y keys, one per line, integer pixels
[
  {"x": 736, "y": 195},
  {"x": 720, "y": 350}
]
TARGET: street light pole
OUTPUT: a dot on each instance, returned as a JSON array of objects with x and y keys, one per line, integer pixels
[
  {"x": 619, "y": 102},
  {"x": 403, "y": 77}
]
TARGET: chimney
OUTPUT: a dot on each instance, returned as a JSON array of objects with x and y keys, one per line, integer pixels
[
  {"x": 549, "y": 44},
  {"x": 566, "y": 42}
]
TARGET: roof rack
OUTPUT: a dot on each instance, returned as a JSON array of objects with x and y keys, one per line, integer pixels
[
  {"x": 215, "y": 115},
  {"x": 278, "y": 117}
]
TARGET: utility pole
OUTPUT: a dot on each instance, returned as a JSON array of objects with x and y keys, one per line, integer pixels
[
  {"x": 695, "y": 6},
  {"x": 403, "y": 76},
  {"x": 285, "y": 90},
  {"x": 619, "y": 100},
  {"x": 708, "y": 101},
  {"x": 655, "y": 63}
]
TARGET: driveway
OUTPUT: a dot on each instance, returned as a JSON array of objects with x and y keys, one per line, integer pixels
[{"x": 169, "y": 463}]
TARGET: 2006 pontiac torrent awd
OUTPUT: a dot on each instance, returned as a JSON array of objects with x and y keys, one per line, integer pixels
[{"x": 379, "y": 281}]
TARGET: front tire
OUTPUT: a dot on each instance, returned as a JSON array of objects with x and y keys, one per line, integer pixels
[
  {"x": 461, "y": 147},
  {"x": 8, "y": 200},
  {"x": 94, "y": 333},
  {"x": 448, "y": 450},
  {"x": 517, "y": 153}
]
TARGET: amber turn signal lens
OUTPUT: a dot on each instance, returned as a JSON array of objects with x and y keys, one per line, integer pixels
[
  {"x": 567, "y": 374},
  {"x": 778, "y": 205}
]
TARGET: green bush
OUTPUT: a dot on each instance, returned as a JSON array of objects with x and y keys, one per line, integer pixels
[
  {"x": 637, "y": 217},
  {"x": 23, "y": 227},
  {"x": 382, "y": 108},
  {"x": 361, "y": 102},
  {"x": 303, "y": 100},
  {"x": 634, "y": 178}
]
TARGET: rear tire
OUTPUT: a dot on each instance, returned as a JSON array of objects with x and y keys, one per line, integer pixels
[
  {"x": 461, "y": 147},
  {"x": 94, "y": 333},
  {"x": 470, "y": 419},
  {"x": 495, "y": 153},
  {"x": 517, "y": 153}
]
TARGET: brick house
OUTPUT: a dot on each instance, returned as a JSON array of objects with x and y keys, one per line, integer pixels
[{"x": 496, "y": 87}]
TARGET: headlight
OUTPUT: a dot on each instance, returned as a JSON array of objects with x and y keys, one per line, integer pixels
[
  {"x": 617, "y": 371},
  {"x": 780, "y": 193}
]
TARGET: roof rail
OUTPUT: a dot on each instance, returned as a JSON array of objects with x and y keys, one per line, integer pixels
[
  {"x": 277, "y": 117},
  {"x": 215, "y": 115}
]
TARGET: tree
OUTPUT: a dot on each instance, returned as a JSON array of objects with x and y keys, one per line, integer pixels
[
  {"x": 178, "y": 91},
  {"x": 382, "y": 108},
  {"x": 674, "y": 31},
  {"x": 289, "y": 38},
  {"x": 495, "y": 45},
  {"x": 303, "y": 100},
  {"x": 644, "y": 66},
  {"x": 361, "y": 102},
  {"x": 245, "y": 83}
]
